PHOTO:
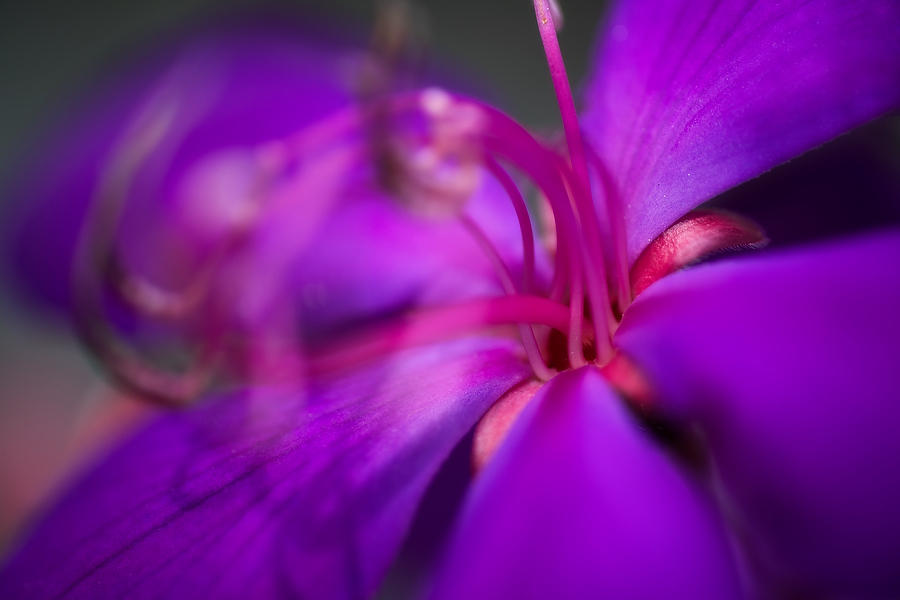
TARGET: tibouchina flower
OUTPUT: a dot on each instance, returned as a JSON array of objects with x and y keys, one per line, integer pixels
[{"x": 242, "y": 186}]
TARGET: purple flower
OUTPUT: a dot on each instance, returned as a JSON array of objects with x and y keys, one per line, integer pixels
[{"x": 240, "y": 184}]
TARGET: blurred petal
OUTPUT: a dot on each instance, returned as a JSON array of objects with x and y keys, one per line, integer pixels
[
  {"x": 578, "y": 503},
  {"x": 266, "y": 494},
  {"x": 373, "y": 257},
  {"x": 229, "y": 89},
  {"x": 327, "y": 239},
  {"x": 689, "y": 99},
  {"x": 788, "y": 361}
]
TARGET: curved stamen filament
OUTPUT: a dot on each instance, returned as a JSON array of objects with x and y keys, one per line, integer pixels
[
  {"x": 545, "y": 12},
  {"x": 151, "y": 299},
  {"x": 576, "y": 315},
  {"x": 440, "y": 324},
  {"x": 298, "y": 174},
  {"x": 98, "y": 267},
  {"x": 92, "y": 259},
  {"x": 511, "y": 141},
  {"x": 547, "y": 28},
  {"x": 525, "y": 227},
  {"x": 595, "y": 275},
  {"x": 529, "y": 342},
  {"x": 612, "y": 203}
]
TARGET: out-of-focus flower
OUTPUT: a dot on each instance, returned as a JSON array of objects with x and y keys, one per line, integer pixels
[{"x": 343, "y": 272}]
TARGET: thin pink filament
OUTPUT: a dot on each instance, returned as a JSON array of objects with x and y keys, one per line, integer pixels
[
  {"x": 529, "y": 342},
  {"x": 616, "y": 217},
  {"x": 525, "y": 228},
  {"x": 514, "y": 143},
  {"x": 439, "y": 324},
  {"x": 557, "y": 67}
]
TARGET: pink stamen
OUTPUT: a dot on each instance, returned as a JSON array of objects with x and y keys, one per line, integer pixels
[
  {"x": 440, "y": 324},
  {"x": 595, "y": 274},
  {"x": 94, "y": 249},
  {"x": 529, "y": 342},
  {"x": 511, "y": 141},
  {"x": 612, "y": 204},
  {"x": 334, "y": 144},
  {"x": 576, "y": 315},
  {"x": 545, "y": 15},
  {"x": 484, "y": 242},
  {"x": 525, "y": 228},
  {"x": 597, "y": 291}
]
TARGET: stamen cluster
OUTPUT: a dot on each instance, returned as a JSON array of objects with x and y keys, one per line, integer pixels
[{"x": 430, "y": 148}]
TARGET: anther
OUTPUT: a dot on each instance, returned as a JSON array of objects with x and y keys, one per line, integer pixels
[{"x": 436, "y": 176}]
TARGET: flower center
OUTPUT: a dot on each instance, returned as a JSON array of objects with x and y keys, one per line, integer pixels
[
  {"x": 430, "y": 149},
  {"x": 435, "y": 172},
  {"x": 581, "y": 280}
]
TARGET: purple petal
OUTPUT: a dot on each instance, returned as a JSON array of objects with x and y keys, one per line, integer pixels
[
  {"x": 336, "y": 246},
  {"x": 250, "y": 86},
  {"x": 266, "y": 493},
  {"x": 788, "y": 361},
  {"x": 858, "y": 166},
  {"x": 374, "y": 257},
  {"x": 578, "y": 503},
  {"x": 690, "y": 98}
]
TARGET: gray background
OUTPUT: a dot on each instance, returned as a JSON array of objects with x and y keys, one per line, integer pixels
[{"x": 52, "y": 49}]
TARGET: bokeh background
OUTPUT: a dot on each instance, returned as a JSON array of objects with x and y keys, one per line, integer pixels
[{"x": 56, "y": 411}]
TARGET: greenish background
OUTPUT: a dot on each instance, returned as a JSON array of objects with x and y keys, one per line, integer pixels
[{"x": 51, "y": 50}]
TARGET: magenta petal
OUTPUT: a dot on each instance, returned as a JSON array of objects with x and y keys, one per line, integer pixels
[
  {"x": 789, "y": 363},
  {"x": 689, "y": 98},
  {"x": 579, "y": 503},
  {"x": 266, "y": 494}
]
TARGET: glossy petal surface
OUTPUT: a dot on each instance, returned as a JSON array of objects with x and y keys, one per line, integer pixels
[
  {"x": 579, "y": 503},
  {"x": 788, "y": 362},
  {"x": 690, "y": 98},
  {"x": 266, "y": 494}
]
